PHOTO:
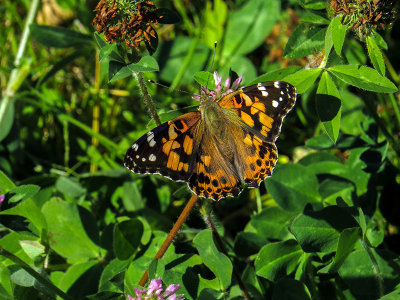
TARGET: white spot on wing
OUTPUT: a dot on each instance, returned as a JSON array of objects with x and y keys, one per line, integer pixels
[
  {"x": 135, "y": 147},
  {"x": 264, "y": 93},
  {"x": 152, "y": 157},
  {"x": 280, "y": 98},
  {"x": 275, "y": 103},
  {"x": 152, "y": 143},
  {"x": 143, "y": 159},
  {"x": 276, "y": 84},
  {"x": 137, "y": 156},
  {"x": 261, "y": 88}
]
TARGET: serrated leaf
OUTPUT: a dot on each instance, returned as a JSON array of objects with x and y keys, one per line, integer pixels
[
  {"x": 304, "y": 41},
  {"x": 364, "y": 78},
  {"x": 375, "y": 55},
  {"x": 328, "y": 106},
  {"x": 277, "y": 260}
]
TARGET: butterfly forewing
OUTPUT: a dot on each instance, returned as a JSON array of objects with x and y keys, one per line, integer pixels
[
  {"x": 263, "y": 106},
  {"x": 167, "y": 149}
]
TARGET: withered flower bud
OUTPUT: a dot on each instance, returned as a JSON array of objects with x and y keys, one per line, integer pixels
[{"x": 126, "y": 21}]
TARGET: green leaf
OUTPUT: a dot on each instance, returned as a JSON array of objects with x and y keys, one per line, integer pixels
[
  {"x": 28, "y": 209},
  {"x": 364, "y": 78},
  {"x": 313, "y": 4},
  {"x": 74, "y": 273},
  {"x": 375, "y": 55},
  {"x": 59, "y": 37},
  {"x": 319, "y": 231},
  {"x": 111, "y": 270},
  {"x": 217, "y": 262},
  {"x": 7, "y": 121},
  {"x": 328, "y": 105},
  {"x": 146, "y": 64},
  {"x": 288, "y": 288},
  {"x": 72, "y": 230},
  {"x": 272, "y": 223},
  {"x": 313, "y": 17},
  {"x": 248, "y": 26},
  {"x": 131, "y": 197},
  {"x": 248, "y": 243},
  {"x": 338, "y": 33},
  {"x": 205, "y": 78},
  {"x": 304, "y": 41},
  {"x": 23, "y": 192},
  {"x": 276, "y": 75},
  {"x": 370, "y": 272},
  {"x": 332, "y": 188},
  {"x": 347, "y": 240},
  {"x": 215, "y": 17},
  {"x": 303, "y": 79},
  {"x": 174, "y": 53},
  {"x": 292, "y": 186},
  {"x": 69, "y": 187},
  {"x": 5, "y": 183},
  {"x": 127, "y": 236},
  {"x": 277, "y": 260}
]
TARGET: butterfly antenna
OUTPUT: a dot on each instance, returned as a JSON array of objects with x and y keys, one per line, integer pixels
[
  {"x": 160, "y": 84},
  {"x": 212, "y": 63}
]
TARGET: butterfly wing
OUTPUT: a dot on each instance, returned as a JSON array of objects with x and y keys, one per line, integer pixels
[
  {"x": 261, "y": 109},
  {"x": 214, "y": 176},
  {"x": 263, "y": 106},
  {"x": 168, "y": 149}
]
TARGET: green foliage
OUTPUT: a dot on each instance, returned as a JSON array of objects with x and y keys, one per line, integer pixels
[{"x": 76, "y": 224}]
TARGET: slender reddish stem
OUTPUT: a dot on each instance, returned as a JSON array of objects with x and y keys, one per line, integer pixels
[{"x": 177, "y": 226}]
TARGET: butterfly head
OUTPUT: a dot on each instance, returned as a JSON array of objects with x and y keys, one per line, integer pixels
[{"x": 220, "y": 91}]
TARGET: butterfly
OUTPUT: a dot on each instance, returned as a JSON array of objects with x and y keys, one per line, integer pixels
[{"x": 230, "y": 140}]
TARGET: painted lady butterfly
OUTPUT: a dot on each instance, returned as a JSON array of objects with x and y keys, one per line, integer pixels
[{"x": 229, "y": 140}]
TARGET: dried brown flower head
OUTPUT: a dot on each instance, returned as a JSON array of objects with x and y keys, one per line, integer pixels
[
  {"x": 364, "y": 15},
  {"x": 129, "y": 21}
]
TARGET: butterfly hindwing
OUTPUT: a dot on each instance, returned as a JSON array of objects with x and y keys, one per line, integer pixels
[
  {"x": 168, "y": 149},
  {"x": 213, "y": 175},
  {"x": 262, "y": 106}
]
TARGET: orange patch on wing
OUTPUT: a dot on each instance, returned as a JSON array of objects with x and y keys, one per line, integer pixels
[
  {"x": 171, "y": 132},
  {"x": 247, "y": 140},
  {"x": 173, "y": 161},
  {"x": 246, "y": 99},
  {"x": 185, "y": 167},
  {"x": 206, "y": 159},
  {"x": 257, "y": 106},
  {"x": 170, "y": 145},
  {"x": 188, "y": 145},
  {"x": 265, "y": 120},
  {"x": 247, "y": 119}
]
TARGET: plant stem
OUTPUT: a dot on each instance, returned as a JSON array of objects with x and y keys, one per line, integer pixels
[
  {"x": 177, "y": 226},
  {"x": 96, "y": 110},
  {"x": 146, "y": 96},
  {"x": 18, "y": 74},
  {"x": 210, "y": 224},
  {"x": 391, "y": 70},
  {"x": 43, "y": 280}
]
